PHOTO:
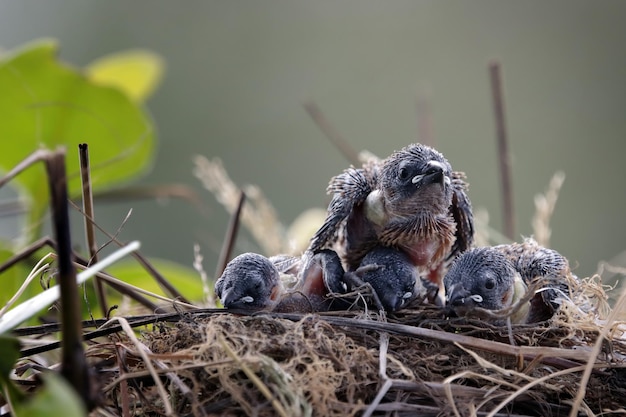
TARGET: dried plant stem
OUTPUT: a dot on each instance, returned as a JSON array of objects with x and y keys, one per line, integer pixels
[
  {"x": 544, "y": 208},
  {"x": 584, "y": 380},
  {"x": 464, "y": 340},
  {"x": 504, "y": 155},
  {"x": 382, "y": 371},
  {"x": 26, "y": 252},
  {"x": 74, "y": 364},
  {"x": 231, "y": 236},
  {"x": 209, "y": 295},
  {"x": 90, "y": 233},
  {"x": 158, "y": 277},
  {"x": 331, "y": 133},
  {"x": 143, "y": 351},
  {"x": 37, "y": 269},
  {"x": 38, "y": 155},
  {"x": 280, "y": 410}
]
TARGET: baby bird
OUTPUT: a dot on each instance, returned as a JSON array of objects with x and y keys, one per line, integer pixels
[
  {"x": 391, "y": 275},
  {"x": 412, "y": 201},
  {"x": 253, "y": 282},
  {"x": 495, "y": 278}
]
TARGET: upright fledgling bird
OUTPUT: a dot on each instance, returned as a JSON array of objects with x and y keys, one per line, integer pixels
[
  {"x": 495, "y": 278},
  {"x": 411, "y": 201}
]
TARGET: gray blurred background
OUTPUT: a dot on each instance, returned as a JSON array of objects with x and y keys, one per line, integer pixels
[{"x": 239, "y": 71}]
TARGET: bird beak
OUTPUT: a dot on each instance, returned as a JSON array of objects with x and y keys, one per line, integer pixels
[
  {"x": 434, "y": 174},
  {"x": 232, "y": 300},
  {"x": 394, "y": 302},
  {"x": 459, "y": 298}
]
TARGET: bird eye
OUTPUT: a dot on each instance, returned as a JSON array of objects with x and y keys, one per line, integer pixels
[
  {"x": 403, "y": 173},
  {"x": 490, "y": 283}
]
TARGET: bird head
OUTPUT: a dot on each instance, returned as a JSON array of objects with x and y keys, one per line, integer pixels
[
  {"x": 393, "y": 276},
  {"x": 484, "y": 278},
  {"x": 416, "y": 177},
  {"x": 250, "y": 281}
]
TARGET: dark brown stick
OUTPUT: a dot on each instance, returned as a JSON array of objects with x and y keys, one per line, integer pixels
[
  {"x": 504, "y": 155},
  {"x": 26, "y": 252},
  {"x": 331, "y": 133},
  {"x": 229, "y": 239},
  {"x": 90, "y": 233},
  {"x": 73, "y": 363}
]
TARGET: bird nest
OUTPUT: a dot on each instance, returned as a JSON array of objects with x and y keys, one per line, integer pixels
[{"x": 414, "y": 362}]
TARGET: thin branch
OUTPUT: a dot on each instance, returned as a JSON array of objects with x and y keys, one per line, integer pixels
[
  {"x": 160, "y": 191},
  {"x": 90, "y": 233},
  {"x": 231, "y": 235},
  {"x": 504, "y": 154},
  {"x": 27, "y": 251},
  {"x": 38, "y": 155},
  {"x": 158, "y": 277},
  {"x": 331, "y": 133},
  {"x": 73, "y": 364}
]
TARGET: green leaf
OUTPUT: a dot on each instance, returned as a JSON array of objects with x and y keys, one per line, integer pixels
[
  {"x": 9, "y": 353},
  {"x": 137, "y": 72},
  {"x": 56, "y": 398},
  {"x": 185, "y": 280},
  {"x": 45, "y": 102}
]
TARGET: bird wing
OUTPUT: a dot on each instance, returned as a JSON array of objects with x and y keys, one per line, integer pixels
[
  {"x": 461, "y": 211},
  {"x": 349, "y": 189}
]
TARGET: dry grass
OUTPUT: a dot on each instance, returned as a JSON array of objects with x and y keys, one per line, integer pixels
[{"x": 416, "y": 362}]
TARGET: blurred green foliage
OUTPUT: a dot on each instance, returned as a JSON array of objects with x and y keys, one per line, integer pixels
[{"x": 46, "y": 103}]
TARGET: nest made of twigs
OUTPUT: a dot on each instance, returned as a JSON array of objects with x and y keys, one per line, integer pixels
[{"x": 416, "y": 362}]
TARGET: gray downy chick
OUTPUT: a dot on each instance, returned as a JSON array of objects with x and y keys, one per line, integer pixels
[
  {"x": 251, "y": 282},
  {"x": 497, "y": 277},
  {"x": 391, "y": 275}
]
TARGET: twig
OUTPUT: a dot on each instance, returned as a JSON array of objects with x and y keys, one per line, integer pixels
[
  {"x": 280, "y": 410},
  {"x": 143, "y": 352},
  {"x": 160, "y": 191},
  {"x": 584, "y": 380},
  {"x": 92, "y": 245},
  {"x": 535, "y": 382},
  {"x": 231, "y": 235},
  {"x": 73, "y": 362},
  {"x": 158, "y": 277},
  {"x": 468, "y": 341},
  {"x": 27, "y": 251},
  {"x": 382, "y": 371},
  {"x": 38, "y": 155},
  {"x": 504, "y": 155},
  {"x": 331, "y": 133},
  {"x": 354, "y": 279}
]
